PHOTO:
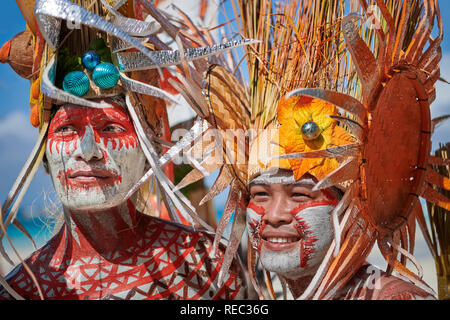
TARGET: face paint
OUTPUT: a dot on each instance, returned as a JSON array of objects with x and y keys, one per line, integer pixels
[
  {"x": 312, "y": 223},
  {"x": 253, "y": 217},
  {"x": 93, "y": 156},
  {"x": 314, "y": 226}
]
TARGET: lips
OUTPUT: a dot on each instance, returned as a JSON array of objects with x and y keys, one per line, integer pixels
[
  {"x": 278, "y": 241},
  {"x": 89, "y": 174},
  {"x": 88, "y": 178},
  {"x": 281, "y": 240}
]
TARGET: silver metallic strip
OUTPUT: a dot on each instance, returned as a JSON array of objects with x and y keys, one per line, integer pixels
[
  {"x": 119, "y": 3},
  {"x": 281, "y": 176},
  {"x": 120, "y": 45},
  {"x": 132, "y": 26},
  {"x": 180, "y": 202},
  {"x": 66, "y": 10},
  {"x": 133, "y": 61},
  {"x": 196, "y": 131},
  {"x": 49, "y": 26},
  {"x": 143, "y": 88}
]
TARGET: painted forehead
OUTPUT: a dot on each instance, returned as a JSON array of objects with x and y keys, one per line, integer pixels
[{"x": 75, "y": 112}]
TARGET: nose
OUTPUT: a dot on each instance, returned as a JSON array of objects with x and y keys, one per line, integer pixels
[
  {"x": 89, "y": 149},
  {"x": 277, "y": 213}
]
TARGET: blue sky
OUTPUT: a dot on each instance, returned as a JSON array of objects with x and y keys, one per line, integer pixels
[{"x": 17, "y": 136}]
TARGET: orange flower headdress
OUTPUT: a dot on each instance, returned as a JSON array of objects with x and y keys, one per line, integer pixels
[{"x": 348, "y": 105}]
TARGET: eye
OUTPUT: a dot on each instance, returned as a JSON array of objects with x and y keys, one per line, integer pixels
[
  {"x": 300, "y": 195},
  {"x": 113, "y": 128},
  {"x": 260, "y": 194},
  {"x": 65, "y": 130}
]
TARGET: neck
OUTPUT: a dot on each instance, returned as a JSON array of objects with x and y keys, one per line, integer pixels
[
  {"x": 105, "y": 230},
  {"x": 298, "y": 286}
]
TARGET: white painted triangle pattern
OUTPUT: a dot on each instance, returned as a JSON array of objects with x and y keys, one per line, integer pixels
[{"x": 90, "y": 271}]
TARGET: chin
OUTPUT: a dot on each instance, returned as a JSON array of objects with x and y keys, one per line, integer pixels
[
  {"x": 97, "y": 199},
  {"x": 286, "y": 263}
]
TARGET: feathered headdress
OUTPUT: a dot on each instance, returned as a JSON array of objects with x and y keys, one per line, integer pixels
[{"x": 349, "y": 105}]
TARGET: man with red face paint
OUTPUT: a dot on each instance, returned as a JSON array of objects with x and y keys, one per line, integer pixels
[
  {"x": 101, "y": 130},
  {"x": 290, "y": 227},
  {"x": 108, "y": 249}
]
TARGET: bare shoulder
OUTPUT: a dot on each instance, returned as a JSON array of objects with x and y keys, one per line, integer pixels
[
  {"x": 372, "y": 283},
  {"x": 393, "y": 288}
]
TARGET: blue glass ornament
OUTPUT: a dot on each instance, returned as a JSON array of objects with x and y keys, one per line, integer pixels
[
  {"x": 90, "y": 60},
  {"x": 310, "y": 130},
  {"x": 105, "y": 75},
  {"x": 76, "y": 83}
]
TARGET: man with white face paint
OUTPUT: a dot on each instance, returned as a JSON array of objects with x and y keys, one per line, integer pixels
[
  {"x": 290, "y": 227},
  {"x": 100, "y": 138},
  {"x": 289, "y": 223},
  {"x": 107, "y": 249}
]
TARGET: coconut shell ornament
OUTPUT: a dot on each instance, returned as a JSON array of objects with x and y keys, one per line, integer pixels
[{"x": 18, "y": 53}]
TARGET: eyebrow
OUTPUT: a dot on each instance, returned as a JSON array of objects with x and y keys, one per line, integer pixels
[
  {"x": 64, "y": 117},
  {"x": 109, "y": 116},
  {"x": 257, "y": 183}
]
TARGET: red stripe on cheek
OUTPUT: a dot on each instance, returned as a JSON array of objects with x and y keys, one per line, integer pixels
[
  {"x": 127, "y": 141},
  {"x": 119, "y": 140},
  {"x": 67, "y": 147},
  {"x": 61, "y": 141},
  {"x": 262, "y": 225},
  {"x": 307, "y": 242},
  {"x": 305, "y": 205},
  {"x": 96, "y": 136},
  {"x": 50, "y": 145},
  {"x": 257, "y": 209},
  {"x": 257, "y": 225}
]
